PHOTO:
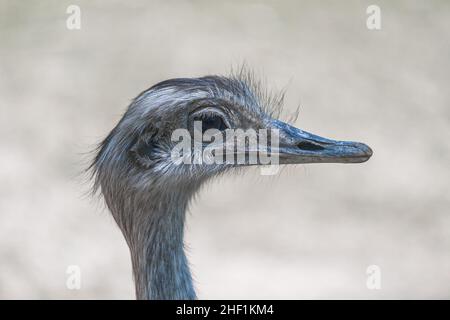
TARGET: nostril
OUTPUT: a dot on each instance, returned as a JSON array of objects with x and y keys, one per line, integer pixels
[{"x": 309, "y": 146}]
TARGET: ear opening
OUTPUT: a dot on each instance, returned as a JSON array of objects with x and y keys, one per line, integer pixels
[{"x": 143, "y": 151}]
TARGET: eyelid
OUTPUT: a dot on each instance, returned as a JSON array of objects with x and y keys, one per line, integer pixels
[{"x": 211, "y": 111}]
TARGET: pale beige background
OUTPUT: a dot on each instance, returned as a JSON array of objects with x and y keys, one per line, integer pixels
[{"x": 310, "y": 232}]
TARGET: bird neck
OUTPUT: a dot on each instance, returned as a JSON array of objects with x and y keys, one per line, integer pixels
[{"x": 160, "y": 266}]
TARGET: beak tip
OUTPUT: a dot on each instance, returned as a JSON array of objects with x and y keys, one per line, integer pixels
[{"x": 366, "y": 151}]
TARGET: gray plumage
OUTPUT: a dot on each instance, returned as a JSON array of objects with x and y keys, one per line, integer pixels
[{"x": 148, "y": 195}]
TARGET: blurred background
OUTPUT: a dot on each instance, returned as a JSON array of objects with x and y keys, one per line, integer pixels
[{"x": 310, "y": 232}]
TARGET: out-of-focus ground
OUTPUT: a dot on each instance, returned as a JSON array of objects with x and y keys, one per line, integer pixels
[{"x": 310, "y": 232}]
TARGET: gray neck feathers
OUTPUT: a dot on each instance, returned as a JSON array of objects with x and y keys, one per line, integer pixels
[{"x": 154, "y": 232}]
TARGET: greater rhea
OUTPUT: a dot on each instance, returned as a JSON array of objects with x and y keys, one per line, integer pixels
[{"x": 148, "y": 193}]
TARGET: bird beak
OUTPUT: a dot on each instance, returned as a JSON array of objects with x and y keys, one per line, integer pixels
[{"x": 297, "y": 146}]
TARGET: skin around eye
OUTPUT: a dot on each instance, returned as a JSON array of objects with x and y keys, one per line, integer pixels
[{"x": 211, "y": 122}]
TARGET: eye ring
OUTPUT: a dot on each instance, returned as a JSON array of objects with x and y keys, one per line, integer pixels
[
  {"x": 211, "y": 121},
  {"x": 211, "y": 118}
]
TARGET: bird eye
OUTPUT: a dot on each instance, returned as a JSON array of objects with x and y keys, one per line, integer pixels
[{"x": 211, "y": 121}]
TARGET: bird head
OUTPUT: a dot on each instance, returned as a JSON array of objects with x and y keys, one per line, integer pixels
[{"x": 138, "y": 154}]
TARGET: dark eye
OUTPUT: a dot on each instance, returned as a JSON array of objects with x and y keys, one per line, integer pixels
[{"x": 211, "y": 121}]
